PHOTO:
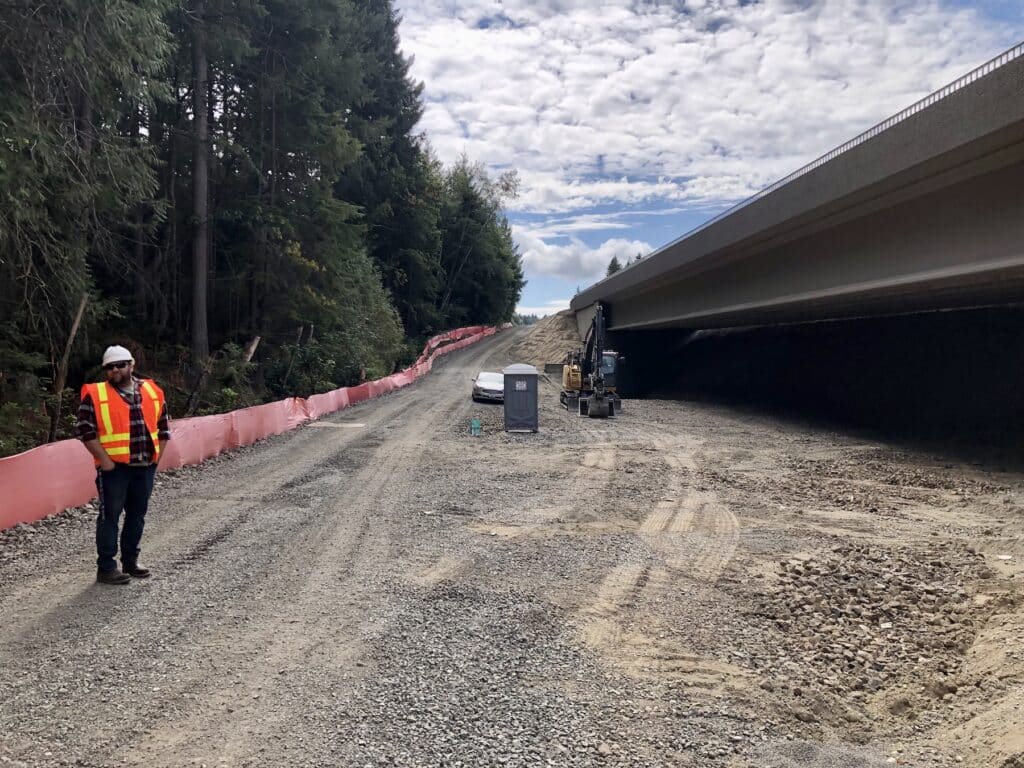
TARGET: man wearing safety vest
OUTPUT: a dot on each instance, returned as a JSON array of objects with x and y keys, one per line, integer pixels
[{"x": 123, "y": 423}]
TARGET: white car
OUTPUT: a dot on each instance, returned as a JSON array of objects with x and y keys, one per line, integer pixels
[{"x": 489, "y": 386}]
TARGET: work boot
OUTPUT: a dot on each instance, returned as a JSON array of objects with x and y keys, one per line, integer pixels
[
  {"x": 133, "y": 569},
  {"x": 112, "y": 577}
]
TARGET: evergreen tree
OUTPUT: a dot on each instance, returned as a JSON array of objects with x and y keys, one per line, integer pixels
[
  {"x": 613, "y": 266},
  {"x": 394, "y": 181},
  {"x": 482, "y": 267},
  {"x": 310, "y": 265}
]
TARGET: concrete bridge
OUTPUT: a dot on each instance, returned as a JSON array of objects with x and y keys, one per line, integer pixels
[{"x": 924, "y": 211}]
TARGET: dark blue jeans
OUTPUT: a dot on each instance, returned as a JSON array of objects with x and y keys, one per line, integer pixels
[{"x": 122, "y": 489}]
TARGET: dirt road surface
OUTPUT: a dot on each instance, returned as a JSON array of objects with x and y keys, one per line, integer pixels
[{"x": 681, "y": 586}]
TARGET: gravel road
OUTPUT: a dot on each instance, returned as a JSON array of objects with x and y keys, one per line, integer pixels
[{"x": 684, "y": 585}]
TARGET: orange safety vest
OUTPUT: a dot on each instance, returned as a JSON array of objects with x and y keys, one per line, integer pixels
[{"x": 113, "y": 418}]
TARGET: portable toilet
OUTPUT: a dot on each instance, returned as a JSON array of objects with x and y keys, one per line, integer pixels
[{"x": 521, "y": 398}]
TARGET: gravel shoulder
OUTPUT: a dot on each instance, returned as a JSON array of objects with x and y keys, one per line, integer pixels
[{"x": 681, "y": 585}]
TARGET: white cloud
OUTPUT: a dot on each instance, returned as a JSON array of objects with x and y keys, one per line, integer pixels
[
  {"x": 588, "y": 222},
  {"x": 551, "y": 192},
  {"x": 671, "y": 102},
  {"x": 564, "y": 226},
  {"x": 575, "y": 260},
  {"x": 733, "y": 93},
  {"x": 542, "y": 310}
]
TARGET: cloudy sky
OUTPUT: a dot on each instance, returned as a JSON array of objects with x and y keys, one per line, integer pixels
[{"x": 632, "y": 121}]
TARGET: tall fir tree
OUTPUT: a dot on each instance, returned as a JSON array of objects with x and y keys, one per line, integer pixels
[{"x": 395, "y": 182}]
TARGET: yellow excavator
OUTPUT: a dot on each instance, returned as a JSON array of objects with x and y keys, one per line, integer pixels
[{"x": 589, "y": 374}]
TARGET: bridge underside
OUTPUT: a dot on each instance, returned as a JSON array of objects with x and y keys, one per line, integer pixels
[{"x": 959, "y": 246}]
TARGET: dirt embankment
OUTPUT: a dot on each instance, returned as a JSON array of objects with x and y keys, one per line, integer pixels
[{"x": 548, "y": 341}]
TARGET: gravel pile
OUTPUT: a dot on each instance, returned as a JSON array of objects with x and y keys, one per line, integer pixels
[{"x": 861, "y": 621}]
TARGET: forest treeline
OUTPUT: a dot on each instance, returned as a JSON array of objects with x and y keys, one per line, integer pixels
[{"x": 234, "y": 190}]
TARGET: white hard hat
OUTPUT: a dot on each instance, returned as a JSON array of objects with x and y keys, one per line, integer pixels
[{"x": 117, "y": 354}]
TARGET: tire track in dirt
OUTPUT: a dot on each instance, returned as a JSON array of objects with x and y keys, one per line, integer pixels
[
  {"x": 685, "y": 543},
  {"x": 213, "y": 601},
  {"x": 336, "y": 647},
  {"x": 589, "y": 477}
]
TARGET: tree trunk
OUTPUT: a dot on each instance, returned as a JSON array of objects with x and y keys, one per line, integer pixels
[
  {"x": 168, "y": 265},
  {"x": 200, "y": 184},
  {"x": 85, "y": 131},
  {"x": 454, "y": 276},
  {"x": 139, "y": 257},
  {"x": 60, "y": 380},
  {"x": 256, "y": 263},
  {"x": 142, "y": 275},
  {"x": 251, "y": 349},
  {"x": 291, "y": 357}
]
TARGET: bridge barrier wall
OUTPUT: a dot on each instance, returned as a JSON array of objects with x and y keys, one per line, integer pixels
[{"x": 53, "y": 477}]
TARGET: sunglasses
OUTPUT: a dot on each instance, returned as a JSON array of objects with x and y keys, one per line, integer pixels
[{"x": 119, "y": 366}]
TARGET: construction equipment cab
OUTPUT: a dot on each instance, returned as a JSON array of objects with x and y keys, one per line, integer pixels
[{"x": 589, "y": 374}]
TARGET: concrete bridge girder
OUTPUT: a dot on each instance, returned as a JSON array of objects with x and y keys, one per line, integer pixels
[{"x": 961, "y": 246}]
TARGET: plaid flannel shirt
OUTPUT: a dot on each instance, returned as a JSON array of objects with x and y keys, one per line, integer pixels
[{"x": 141, "y": 444}]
